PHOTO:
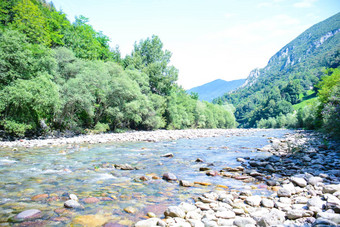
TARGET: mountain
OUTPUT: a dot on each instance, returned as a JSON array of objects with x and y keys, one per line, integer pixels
[
  {"x": 292, "y": 71},
  {"x": 216, "y": 88}
]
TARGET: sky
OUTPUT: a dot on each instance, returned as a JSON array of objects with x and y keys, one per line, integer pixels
[{"x": 209, "y": 39}]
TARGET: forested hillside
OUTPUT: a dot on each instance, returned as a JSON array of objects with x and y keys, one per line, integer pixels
[
  {"x": 296, "y": 73},
  {"x": 58, "y": 76},
  {"x": 215, "y": 89}
]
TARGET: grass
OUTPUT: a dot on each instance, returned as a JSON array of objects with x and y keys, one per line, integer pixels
[{"x": 309, "y": 99}]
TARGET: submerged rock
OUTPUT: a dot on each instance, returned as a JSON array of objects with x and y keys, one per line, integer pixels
[
  {"x": 28, "y": 215},
  {"x": 169, "y": 177}
]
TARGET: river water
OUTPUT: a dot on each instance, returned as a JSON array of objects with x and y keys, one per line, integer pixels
[{"x": 85, "y": 170}]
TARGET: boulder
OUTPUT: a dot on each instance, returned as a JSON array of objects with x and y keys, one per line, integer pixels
[
  {"x": 72, "y": 204},
  {"x": 185, "y": 183},
  {"x": 299, "y": 181},
  {"x": 253, "y": 200},
  {"x": 169, "y": 177},
  {"x": 174, "y": 211},
  {"x": 275, "y": 217},
  {"x": 28, "y": 214}
]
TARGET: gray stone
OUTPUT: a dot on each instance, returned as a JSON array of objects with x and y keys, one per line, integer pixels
[
  {"x": 193, "y": 215},
  {"x": 253, "y": 200},
  {"x": 331, "y": 188},
  {"x": 299, "y": 181},
  {"x": 195, "y": 223},
  {"x": 72, "y": 204},
  {"x": 314, "y": 180},
  {"x": 174, "y": 211},
  {"x": 225, "y": 214},
  {"x": 315, "y": 202},
  {"x": 244, "y": 221},
  {"x": 185, "y": 183},
  {"x": 150, "y": 222},
  {"x": 169, "y": 177},
  {"x": 124, "y": 167},
  {"x": 329, "y": 216},
  {"x": 284, "y": 193},
  {"x": 301, "y": 200},
  {"x": 323, "y": 222},
  {"x": 28, "y": 214},
  {"x": 295, "y": 214},
  {"x": 275, "y": 217},
  {"x": 186, "y": 207},
  {"x": 267, "y": 203}
]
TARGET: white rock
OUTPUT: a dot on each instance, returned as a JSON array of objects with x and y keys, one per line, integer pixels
[
  {"x": 331, "y": 188},
  {"x": 253, "y": 200},
  {"x": 314, "y": 180},
  {"x": 150, "y": 222},
  {"x": 195, "y": 223},
  {"x": 299, "y": 181},
  {"x": 174, "y": 211},
  {"x": 225, "y": 214},
  {"x": 244, "y": 221},
  {"x": 329, "y": 216},
  {"x": 275, "y": 217},
  {"x": 74, "y": 197},
  {"x": 193, "y": 215},
  {"x": 186, "y": 207}
]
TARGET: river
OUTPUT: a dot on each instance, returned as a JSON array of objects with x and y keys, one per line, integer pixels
[{"x": 37, "y": 178}]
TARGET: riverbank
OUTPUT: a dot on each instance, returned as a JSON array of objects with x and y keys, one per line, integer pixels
[
  {"x": 303, "y": 175},
  {"x": 133, "y": 136}
]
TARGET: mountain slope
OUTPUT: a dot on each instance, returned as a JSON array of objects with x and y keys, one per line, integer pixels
[
  {"x": 296, "y": 68},
  {"x": 216, "y": 88}
]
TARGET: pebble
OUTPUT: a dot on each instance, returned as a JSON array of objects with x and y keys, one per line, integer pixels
[
  {"x": 28, "y": 214},
  {"x": 72, "y": 204},
  {"x": 169, "y": 177}
]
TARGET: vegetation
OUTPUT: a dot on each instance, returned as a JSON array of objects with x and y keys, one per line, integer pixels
[
  {"x": 287, "y": 87},
  {"x": 59, "y": 76}
]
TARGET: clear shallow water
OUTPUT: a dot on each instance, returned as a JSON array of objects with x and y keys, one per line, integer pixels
[{"x": 78, "y": 170}]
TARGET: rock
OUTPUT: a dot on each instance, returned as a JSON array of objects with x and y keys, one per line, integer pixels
[
  {"x": 39, "y": 197},
  {"x": 253, "y": 200},
  {"x": 193, "y": 215},
  {"x": 174, "y": 211},
  {"x": 301, "y": 200},
  {"x": 90, "y": 220},
  {"x": 240, "y": 160},
  {"x": 212, "y": 173},
  {"x": 186, "y": 207},
  {"x": 202, "y": 206},
  {"x": 150, "y": 222},
  {"x": 275, "y": 217},
  {"x": 314, "y": 180},
  {"x": 124, "y": 167},
  {"x": 329, "y": 216},
  {"x": 246, "y": 193},
  {"x": 323, "y": 222},
  {"x": 28, "y": 215},
  {"x": 185, "y": 183},
  {"x": 195, "y": 222},
  {"x": 169, "y": 177},
  {"x": 91, "y": 200},
  {"x": 143, "y": 178},
  {"x": 202, "y": 183},
  {"x": 284, "y": 193},
  {"x": 226, "y": 214},
  {"x": 130, "y": 210},
  {"x": 299, "y": 181},
  {"x": 204, "y": 168},
  {"x": 315, "y": 202},
  {"x": 290, "y": 187},
  {"x": 295, "y": 214},
  {"x": 151, "y": 215},
  {"x": 73, "y": 197},
  {"x": 72, "y": 204},
  {"x": 199, "y": 160},
  {"x": 331, "y": 188},
  {"x": 168, "y": 155},
  {"x": 244, "y": 221},
  {"x": 267, "y": 203}
]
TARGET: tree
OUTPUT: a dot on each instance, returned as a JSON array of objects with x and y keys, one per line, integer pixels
[
  {"x": 30, "y": 20},
  {"x": 149, "y": 57}
]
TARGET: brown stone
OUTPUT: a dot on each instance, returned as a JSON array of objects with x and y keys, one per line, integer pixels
[
  {"x": 91, "y": 200},
  {"x": 39, "y": 197}
]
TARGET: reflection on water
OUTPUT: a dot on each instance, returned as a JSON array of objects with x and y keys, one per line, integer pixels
[{"x": 88, "y": 171}]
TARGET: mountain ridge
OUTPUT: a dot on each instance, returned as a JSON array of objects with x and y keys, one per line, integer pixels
[{"x": 215, "y": 88}]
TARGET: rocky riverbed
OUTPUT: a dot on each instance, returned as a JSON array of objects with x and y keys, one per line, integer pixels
[
  {"x": 133, "y": 136},
  {"x": 303, "y": 176}
]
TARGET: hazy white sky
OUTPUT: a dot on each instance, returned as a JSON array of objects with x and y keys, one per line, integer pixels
[{"x": 209, "y": 39}]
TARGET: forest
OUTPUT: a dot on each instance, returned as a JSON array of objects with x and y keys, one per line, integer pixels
[{"x": 58, "y": 77}]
